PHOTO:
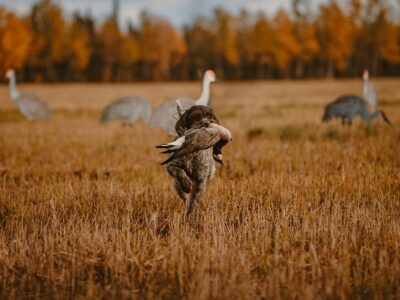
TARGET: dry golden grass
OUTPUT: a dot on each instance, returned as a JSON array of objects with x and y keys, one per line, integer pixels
[{"x": 302, "y": 209}]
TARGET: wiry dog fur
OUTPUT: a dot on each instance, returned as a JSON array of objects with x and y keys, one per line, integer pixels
[{"x": 191, "y": 172}]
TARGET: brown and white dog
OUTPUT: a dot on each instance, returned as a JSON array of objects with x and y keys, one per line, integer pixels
[{"x": 194, "y": 152}]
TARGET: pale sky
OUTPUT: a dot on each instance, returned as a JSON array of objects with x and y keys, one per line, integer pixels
[{"x": 179, "y": 12}]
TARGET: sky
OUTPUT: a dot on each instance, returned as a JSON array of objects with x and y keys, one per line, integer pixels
[{"x": 179, "y": 12}]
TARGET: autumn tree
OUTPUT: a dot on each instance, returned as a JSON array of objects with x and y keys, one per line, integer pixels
[
  {"x": 243, "y": 40},
  {"x": 285, "y": 46},
  {"x": 382, "y": 36},
  {"x": 389, "y": 39},
  {"x": 306, "y": 36},
  {"x": 162, "y": 47},
  {"x": 340, "y": 38},
  {"x": 358, "y": 59},
  {"x": 335, "y": 37},
  {"x": 79, "y": 46},
  {"x": 201, "y": 52},
  {"x": 225, "y": 35},
  {"x": 118, "y": 51},
  {"x": 50, "y": 42},
  {"x": 261, "y": 51},
  {"x": 15, "y": 40}
]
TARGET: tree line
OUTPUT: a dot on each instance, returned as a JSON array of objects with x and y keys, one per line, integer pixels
[{"x": 337, "y": 41}]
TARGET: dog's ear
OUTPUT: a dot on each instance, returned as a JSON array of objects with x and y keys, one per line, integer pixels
[{"x": 181, "y": 124}]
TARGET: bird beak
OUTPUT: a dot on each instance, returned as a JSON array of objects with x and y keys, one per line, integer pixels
[{"x": 218, "y": 159}]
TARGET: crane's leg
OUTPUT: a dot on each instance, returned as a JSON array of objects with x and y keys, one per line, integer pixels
[
  {"x": 197, "y": 191},
  {"x": 182, "y": 183}
]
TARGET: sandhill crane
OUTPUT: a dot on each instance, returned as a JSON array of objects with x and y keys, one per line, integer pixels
[
  {"x": 165, "y": 116},
  {"x": 369, "y": 90},
  {"x": 347, "y": 107},
  {"x": 127, "y": 110},
  {"x": 28, "y": 104},
  {"x": 191, "y": 162}
]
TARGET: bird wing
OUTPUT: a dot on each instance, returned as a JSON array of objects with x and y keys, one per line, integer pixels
[
  {"x": 32, "y": 107},
  {"x": 193, "y": 141},
  {"x": 346, "y": 106},
  {"x": 127, "y": 109}
]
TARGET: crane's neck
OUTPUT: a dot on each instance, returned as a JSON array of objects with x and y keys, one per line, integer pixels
[
  {"x": 205, "y": 93},
  {"x": 365, "y": 88},
  {"x": 12, "y": 88}
]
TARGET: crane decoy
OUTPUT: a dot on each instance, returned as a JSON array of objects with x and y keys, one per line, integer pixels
[
  {"x": 165, "y": 116},
  {"x": 127, "y": 110},
  {"x": 30, "y": 106},
  {"x": 191, "y": 162},
  {"x": 347, "y": 107},
  {"x": 369, "y": 90}
]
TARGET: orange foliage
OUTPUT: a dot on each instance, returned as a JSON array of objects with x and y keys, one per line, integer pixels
[
  {"x": 160, "y": 44},
  {"x": 200, "y": 49},
  {"x": 307, "y": 41},
  {"x": 50, "y": 42},
  {"x": 285, "y": 45},
  {"x": 335, "y": 32},
  {"x": 15, "y": 39},
  {"x": 289, "y": 44},
  {"x": 79, "y": 46},
  {"x": 225, "y": 38},
  {"x": 388, "y": 41},
  {"x": 116, "y": 48},
  {"x": 261, "y": 41}
]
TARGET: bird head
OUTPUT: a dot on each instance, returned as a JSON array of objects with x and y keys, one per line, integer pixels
[
  {"x": 366, "y": 74},
  {"x": 10, "y": 73},
  {"x": 210, "y": 76},
  {"x": 385, "y": 118}
]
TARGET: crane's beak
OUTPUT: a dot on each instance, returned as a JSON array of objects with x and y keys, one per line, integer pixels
[{"x": 387, "y": 120}]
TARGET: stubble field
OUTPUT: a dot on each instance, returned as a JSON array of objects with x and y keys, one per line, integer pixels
[{"x": 301, "y": 209}]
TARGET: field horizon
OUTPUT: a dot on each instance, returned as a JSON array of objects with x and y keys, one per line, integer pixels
[{"x": 302, "y": 209}]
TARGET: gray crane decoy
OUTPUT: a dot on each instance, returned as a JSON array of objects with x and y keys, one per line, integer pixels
[
  {"x": 165, "y": 116},
  {"x": 28, "y": 104},
  {"x": 127, "y": 110},
  {"x": 348, "y": 107},
  {"x": 192, "y": 157}
]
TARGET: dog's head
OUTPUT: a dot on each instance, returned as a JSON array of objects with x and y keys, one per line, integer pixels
[{"x": 196, "y": 117}]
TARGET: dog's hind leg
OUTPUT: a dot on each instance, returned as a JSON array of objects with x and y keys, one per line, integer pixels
[
  {"x": 198, "y": 189},
  {"x": 182, "y": 183}
]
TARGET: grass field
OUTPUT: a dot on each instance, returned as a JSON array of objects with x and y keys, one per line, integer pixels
[{"x": 301, "y": 210}]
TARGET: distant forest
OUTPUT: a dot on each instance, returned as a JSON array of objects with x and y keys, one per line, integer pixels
[{"x": 336, "y": 41}]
